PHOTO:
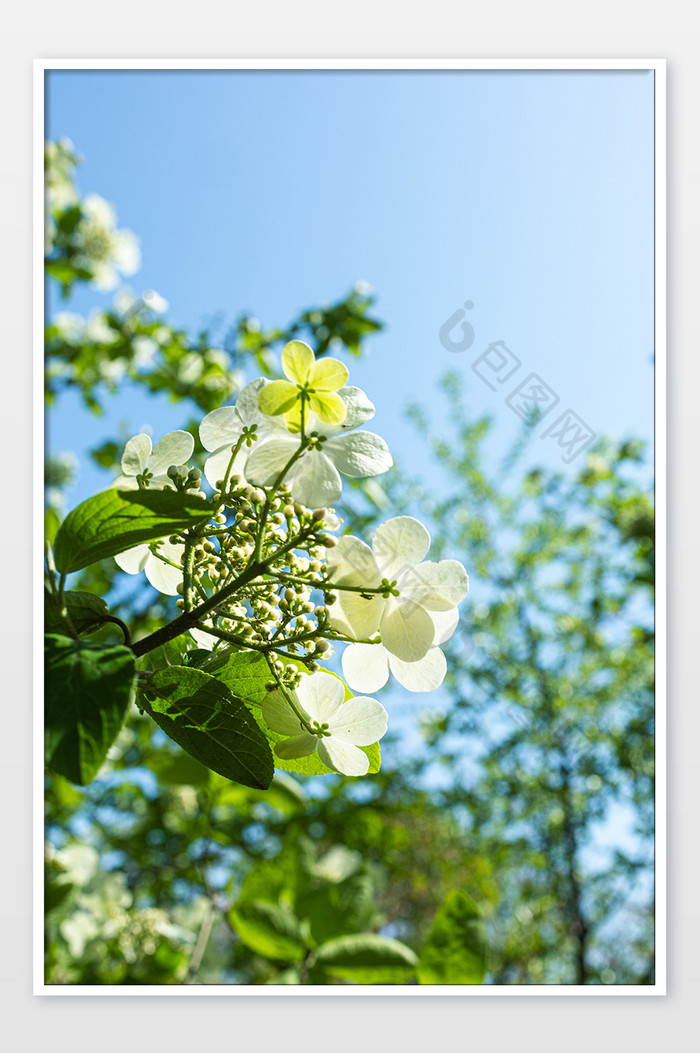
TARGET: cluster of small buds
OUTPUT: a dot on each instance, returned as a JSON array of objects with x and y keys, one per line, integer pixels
[
  {"x": 184, "y": 478},
  {"x": 276, "y": 612}
]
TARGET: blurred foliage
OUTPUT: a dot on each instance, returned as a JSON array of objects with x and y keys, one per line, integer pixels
[
  {"x": 532, "y": 794},
  {"x": 551, "y": 683}
]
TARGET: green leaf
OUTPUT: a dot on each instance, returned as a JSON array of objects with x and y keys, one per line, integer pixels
[
  {"x": 61, "y": 271},
  {"x": 246, "y": 673},
  {"x": 178, "y": 770},
  {"x": 455, "y": 951},
  {"x": 173, "y": 652},
  {"x": 115, "y": 520},
  {"x": 367, "y": 959},
  {"x": 337, "y": 908},
  {"x": 51, "y": 524},
  {"x": 88, "y": 689},
  {"x": 203, "y": 717},
  {"x": 82, "y": 611},
  {"x": 269, "y": 930}
]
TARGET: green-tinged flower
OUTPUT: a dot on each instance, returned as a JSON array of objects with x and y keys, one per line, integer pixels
[
  {"x": 312, "y": 386},
  {"x": 334, "y": 728},
  {"x": 409, "y": 587},
  {"x": 145, "y": 466}
]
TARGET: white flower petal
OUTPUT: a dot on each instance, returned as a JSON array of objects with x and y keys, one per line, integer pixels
[
  {"x": 366, "y": 666},
  {"x": 268, "y": 459},
  {"x": 360, "y": 720},
  {"x": 159, "y": 482},
  {"x": 299, "y": 746},
  {"x": 358, "y": 408},
  {"x": 215, "y": 466},
  {"x": 352, "y": 562},
  {"x": 359, "y": 454},
  {"x": 445, "y": 623},
  {"x": 203, "y": 639},
  {"x": 279, "y": 715},
  {"x": 247, "y": 401},
  {"x": 424, "y": 675},
  {"x": 315, "y": 481},
  {"x": 134, "y": 560},
  {"x": 162, "y": 576},
  {"x": 125, "y": 482},
  {"x": 174, "y": 448},
  {"x": 407, "y": 630},
  {"x": 436, "y": 586},
  {"x": 356, "y": 616},
  {"x": 220, "y": 428},
  {"x": 343, "y": 757},
  {"x": 136, "y": 454},
  {"x": 321, "y": 694},
  {"x": 398, "y": 545}
]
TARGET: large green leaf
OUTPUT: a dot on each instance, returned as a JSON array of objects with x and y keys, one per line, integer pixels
[
  {"x": 367, "y": 959},
  {"x": 337, "y": 908},
  {"x": 82, "y": 611},
  {"x": 455, "y": 951},
  {"x": 246, "y": 673},
  {"x": 116, "y": 520},
  {"x": 203, "y": 717},
  {"x": 88, "y": 688},
  {"x": 269, "y": 930}
]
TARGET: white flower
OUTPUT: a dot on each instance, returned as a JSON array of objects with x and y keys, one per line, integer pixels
[
  {"x": 70, "y": 325},
  {"x": 314, "y": 478},
  {"x": 221, "y": 429},
  {"x": 99, "y": 330},
  {"x": 105, "y": 251},
  {"x": 145, "y": 350},
  {"x": 366, "y": 667},
  {"x": 162, "y": 576},
  {"x": 338, "y": 728},
  {"x": 143, "y": 464},
  {"x": 154, "y": 301},
  {"x": 411, "y": 588}
]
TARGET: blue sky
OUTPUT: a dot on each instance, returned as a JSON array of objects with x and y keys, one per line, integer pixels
[{"x": 527, "y": 194}]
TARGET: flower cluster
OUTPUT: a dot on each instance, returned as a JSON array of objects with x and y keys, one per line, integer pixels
[{"x": 269, "y": 574}]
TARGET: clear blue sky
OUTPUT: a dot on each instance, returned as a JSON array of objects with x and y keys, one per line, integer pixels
[{"x": 527, "y": 193}]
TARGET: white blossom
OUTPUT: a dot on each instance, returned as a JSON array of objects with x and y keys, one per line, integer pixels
[
  {"x": 314, "y": 478},
  {"x": 105, "y": 251},
  {"x": 366, "y": 667},
  {"x": 222, "y": 428},
  {"x": 338, "y": 728},
  {"x": 162, "y": 576},
  {"x": 145, "y": 465},
  {"x": 410, "y": 588}
]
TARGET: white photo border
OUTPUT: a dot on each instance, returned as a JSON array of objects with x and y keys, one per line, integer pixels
[{"x": 658, "y": 67}]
